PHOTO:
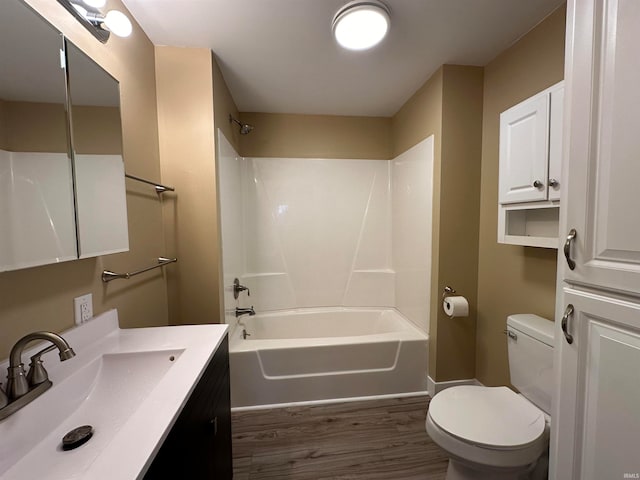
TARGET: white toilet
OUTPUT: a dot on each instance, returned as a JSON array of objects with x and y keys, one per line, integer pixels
[{"x": 493, "y": 432}]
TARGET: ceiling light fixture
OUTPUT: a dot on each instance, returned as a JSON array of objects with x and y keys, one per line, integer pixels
[
  {"x": 360, "y": 25},
  {"x": 101, "y": 26}
]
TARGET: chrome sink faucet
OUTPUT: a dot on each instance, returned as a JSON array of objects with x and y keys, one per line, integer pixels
[{"x": 23, "y": 389}]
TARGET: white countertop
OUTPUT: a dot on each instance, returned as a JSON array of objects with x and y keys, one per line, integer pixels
[{"x": 130, "y": 423}]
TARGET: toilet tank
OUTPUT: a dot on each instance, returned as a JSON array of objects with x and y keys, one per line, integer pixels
[{"x": 530, "y": 345}]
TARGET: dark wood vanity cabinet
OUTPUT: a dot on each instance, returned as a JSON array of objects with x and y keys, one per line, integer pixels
[{"x": 199, "y": 444}]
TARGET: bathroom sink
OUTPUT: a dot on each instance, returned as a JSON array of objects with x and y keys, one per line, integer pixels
[{"x": 129, "y": 386}]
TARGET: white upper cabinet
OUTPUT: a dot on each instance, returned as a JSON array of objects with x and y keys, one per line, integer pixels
[
  {"x": 531, "y": 147},
  {"x": 530, "y": 170},
  {"x": 604, "y": 148},
  {"x": 523, "y": 151}
]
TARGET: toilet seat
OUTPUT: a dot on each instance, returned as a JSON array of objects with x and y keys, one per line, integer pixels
[
  {"x": 493, "y": 426},
  {"x": 493, "y": 417}
]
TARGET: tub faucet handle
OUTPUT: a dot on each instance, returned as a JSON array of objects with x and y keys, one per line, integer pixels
[{"x": 237, "y": 288}]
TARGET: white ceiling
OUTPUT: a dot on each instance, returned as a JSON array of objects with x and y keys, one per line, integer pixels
[{"x": 279, "y": 55}]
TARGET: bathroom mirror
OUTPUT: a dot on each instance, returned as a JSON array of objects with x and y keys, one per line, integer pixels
[
  {"x": 37, "y": 220},
  {"x": 96, "y": 137},
  {"x": 62, "y": 190}
]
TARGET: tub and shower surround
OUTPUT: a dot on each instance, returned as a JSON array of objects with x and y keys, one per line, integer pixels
[
  {"x": 306, "y": 233},
  {"x": 337, "y": 256}
]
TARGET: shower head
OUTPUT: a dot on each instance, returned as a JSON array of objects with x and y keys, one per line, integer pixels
[{"x": 245, "y": 128}]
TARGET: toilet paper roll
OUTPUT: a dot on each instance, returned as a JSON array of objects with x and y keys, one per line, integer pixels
[{"x": 456, "y": 306}]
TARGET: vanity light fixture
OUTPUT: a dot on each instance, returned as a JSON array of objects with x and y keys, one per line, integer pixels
[
  {"x": 361, "y": 24},
  {"x": 100, "y": 25}
]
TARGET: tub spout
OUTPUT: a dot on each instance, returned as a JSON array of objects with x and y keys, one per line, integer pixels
[{"x": 245, "y": 311}]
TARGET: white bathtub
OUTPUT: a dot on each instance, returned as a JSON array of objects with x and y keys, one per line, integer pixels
[{"x": 325, "y": 353}]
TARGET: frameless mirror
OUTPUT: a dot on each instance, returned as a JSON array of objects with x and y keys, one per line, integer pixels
[
  {"x": 96, "y": 135},
  {"x": 37, "y": 224},
  {"x": 62, "y": 190}
]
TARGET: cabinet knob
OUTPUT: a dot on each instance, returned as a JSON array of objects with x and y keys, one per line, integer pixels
[
  {"x": 538, "y": 184},
  {"x": 553, "y": 183}
]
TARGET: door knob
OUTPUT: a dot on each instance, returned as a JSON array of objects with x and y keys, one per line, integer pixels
[
  {"x": 553, "y": 183},
  {"x": 538, "y": 184}
]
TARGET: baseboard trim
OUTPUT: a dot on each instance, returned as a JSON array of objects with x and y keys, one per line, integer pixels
[
  {"x": 434, "y": 387},
  {"x": 305, "y": 403}
]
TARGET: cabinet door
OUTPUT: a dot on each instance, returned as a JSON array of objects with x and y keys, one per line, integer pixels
[
  {"x": 601, "y": 176},
  {"x": 524, "y": 131},
  {"x": 555, "y": 141},
  {"x": 199, "y": 444},
  {"x": 596, "y": 421}
]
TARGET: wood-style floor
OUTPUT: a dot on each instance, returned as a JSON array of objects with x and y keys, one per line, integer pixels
[{"x": 372, "y": 440}]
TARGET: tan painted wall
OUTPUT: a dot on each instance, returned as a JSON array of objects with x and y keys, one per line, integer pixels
[
  {"x": 223, "y": 106},
  {"x": 192, "y": 101},
  {"x": 185, "y": 125},
  {"x": 459, "y": 218},
  {"x": 41, "y": 127},
  {"x": 420, "y": 117},
  {"x": 449, "y": 106},
  {"x": 42, "y": 298},
  {"x": 512, "y": 279},
  {"x": 97, "y": 130},
  {"x": 35, "y": 127},
  {"x": 316, "y": 136}
]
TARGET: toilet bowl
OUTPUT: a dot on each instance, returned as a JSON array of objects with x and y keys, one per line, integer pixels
[
  {"x": 493, "y": 432},
  {"x": 489, "y": 432}
]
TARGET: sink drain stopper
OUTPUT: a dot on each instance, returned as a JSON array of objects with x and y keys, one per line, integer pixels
[{"x": 77, "y": 437}]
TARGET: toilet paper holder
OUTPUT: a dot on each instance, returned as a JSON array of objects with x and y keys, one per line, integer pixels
[
  {"x": 457, "y": 307},
  {"x": 447, "y": 292}
]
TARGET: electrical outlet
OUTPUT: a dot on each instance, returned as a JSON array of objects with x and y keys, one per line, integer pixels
[{"x": 83, "y": 308}]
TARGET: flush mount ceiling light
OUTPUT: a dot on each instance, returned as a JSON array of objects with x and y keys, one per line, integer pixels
[
  {"x": 101, "y": 26},
  {"x": 361, "y": 24}
]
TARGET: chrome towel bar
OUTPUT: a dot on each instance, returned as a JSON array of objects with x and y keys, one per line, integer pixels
[
  {"x": 108, "y": 275},
  {"x": 158, "y": 186}
]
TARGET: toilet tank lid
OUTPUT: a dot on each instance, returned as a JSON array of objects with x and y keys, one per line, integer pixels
[{"x": 537, "y": 327}]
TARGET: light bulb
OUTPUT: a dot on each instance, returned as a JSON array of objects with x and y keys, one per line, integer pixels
[
  {"x": 95, "y": 3},
  {"x": 361, "y": 25},
  {"x": 118, "y": 23}
]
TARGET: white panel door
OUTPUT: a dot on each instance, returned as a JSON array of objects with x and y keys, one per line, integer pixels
[
  {"x": 598, "y": 425},
  {"x": 603, "y": 176},
  {"x": 524, "y": 131}
]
